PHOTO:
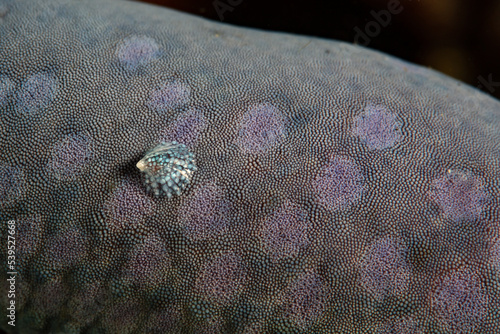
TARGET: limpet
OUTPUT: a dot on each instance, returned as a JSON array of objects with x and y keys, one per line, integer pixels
[{"x": 168, "y": 169}]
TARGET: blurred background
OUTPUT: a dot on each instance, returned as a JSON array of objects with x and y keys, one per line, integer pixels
[{"x": 460, "y": 38}]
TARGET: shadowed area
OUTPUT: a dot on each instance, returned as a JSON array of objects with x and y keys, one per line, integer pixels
[{"x": 307, "y": 185}]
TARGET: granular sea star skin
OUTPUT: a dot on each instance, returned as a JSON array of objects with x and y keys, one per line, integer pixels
[{"x": 315, "y": 186}]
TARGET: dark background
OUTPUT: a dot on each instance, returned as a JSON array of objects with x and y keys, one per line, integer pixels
[{"x": 460, "y": 38}]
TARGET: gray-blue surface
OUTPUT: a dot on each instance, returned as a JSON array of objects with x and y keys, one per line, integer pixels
[{"x": 335, "y": 189}]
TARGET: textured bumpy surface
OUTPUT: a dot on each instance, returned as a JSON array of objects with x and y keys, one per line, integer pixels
[{"x": 336, "y": 189}]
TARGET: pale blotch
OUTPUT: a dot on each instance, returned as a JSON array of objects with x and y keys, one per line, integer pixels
[
  {"x": 377, "y": 127},
  {"x": 306, "y": 299},
  {"x": 127, "y": 207},
  {"x": 168, "y": 96},
  {"x": 261, "y": 128},
  {"x": 123, "y": 316},
  {"x": 12, "y": 184},
  {"x": 400, "y": 326},
  {"x": 148, "y": 262},
  {"x": 86, "y": 304},
  {"x": 36, "y": 93},
  {"x": 137, "y": 51},
  {"x": 222, "y": 279},
  {"x": 339, "y": 183},
  {"x": 285, "y": 231},
  {"x": 6, "y": 88},
  {"x": 495, "y": 254},
  {"x": 29, "y": 232},
  {"x": 460, "y": 301},
  {"x": 70, "y": 156},
  {"x": 204, "y": 213},
  {"x": 460, "y": 195},
  {"x": 384, "y": 271},
  {"x": 186, "y": 129},
  {"x": 164, "y": 320},
  {"x": 67, "y": 248}
]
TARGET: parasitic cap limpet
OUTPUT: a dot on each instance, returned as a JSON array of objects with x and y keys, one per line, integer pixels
[{"x": 168, "y": 169}]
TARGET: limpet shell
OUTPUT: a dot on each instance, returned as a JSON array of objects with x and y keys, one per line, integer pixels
[{"x": 168, "y": 169}]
